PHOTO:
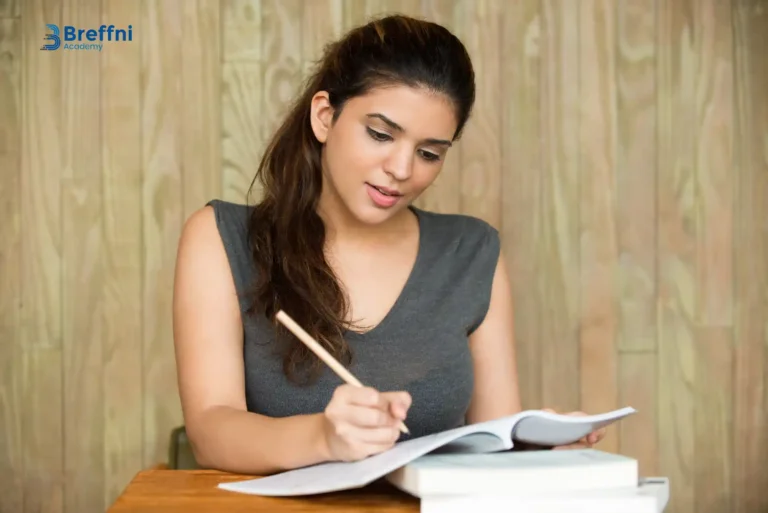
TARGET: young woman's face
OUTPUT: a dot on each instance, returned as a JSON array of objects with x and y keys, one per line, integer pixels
[{"x": 383, "y": 151}]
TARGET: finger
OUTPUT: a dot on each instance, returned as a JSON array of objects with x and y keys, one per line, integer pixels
[
  {"x": 366, "y": 396},
  {"x": 378, "y": 436},
  {"x": 399, "y": 403},
  {"x": 369, "y": 417},
  {"x": 577, "y": 445}
]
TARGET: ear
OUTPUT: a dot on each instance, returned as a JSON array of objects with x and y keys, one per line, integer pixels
[{"x": 321, "y": 115}]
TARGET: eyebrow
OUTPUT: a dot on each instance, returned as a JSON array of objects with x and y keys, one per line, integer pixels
[{"x": 397, "y": 127}]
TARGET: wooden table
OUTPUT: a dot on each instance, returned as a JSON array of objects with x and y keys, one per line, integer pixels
[{"x": 195, "y": 491}]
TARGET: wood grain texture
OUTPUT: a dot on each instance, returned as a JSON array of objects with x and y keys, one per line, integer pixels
[
  {"x": 195, "y": 491},
  {"x": 597, "y": 211},
  {"x": 621, "y": 148},
  {"x": 558, "y": 289},
  {"x": 636, "y": 154},
  {"x": 481, "y": 145},
  {"x": 242, "y": 98},
  {"x": 281, "y": 47},
  {"x": 521, "y": 184},
  {"x": 162, "y": 206},
  {"x": 122, "y": 298},
  {"x": 677, "y": 232},
  {"x": 11, "y": 405},
  {"x": 640, "y": 439},
  {"x": 41, "y": 264},
  {"x": 82, "y": 267},
  {"x": 636, "y": 158},
  {"x": 714, "y": 256},
  {"x": 750, "y": 400},
  {"x": 201, "y": 106},
  {"x": 10, "y": 8}
]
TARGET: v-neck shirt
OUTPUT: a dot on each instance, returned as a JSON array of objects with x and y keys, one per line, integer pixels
[{"x": 422, "y": 344}]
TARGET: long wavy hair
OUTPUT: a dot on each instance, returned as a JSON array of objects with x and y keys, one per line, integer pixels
[{"x": 287, "y": 235}]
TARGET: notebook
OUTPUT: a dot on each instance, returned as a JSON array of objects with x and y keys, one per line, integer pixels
[
  {"x": 515, "y": 473},
  {"x": 531, "y": 426}
]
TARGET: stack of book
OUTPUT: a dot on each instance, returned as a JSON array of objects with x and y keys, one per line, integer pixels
[{"x": 572, "y": 481}]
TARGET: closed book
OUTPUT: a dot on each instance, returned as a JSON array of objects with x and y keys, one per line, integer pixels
[{"x": 515, "y": 473}]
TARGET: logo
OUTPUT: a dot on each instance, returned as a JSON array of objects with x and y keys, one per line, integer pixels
[
  {"x": 53, "y": 36},
  {"x": 74, "y": 37}
]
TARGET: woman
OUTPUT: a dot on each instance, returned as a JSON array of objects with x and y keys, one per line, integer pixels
[{"x": 416, "y": 304}]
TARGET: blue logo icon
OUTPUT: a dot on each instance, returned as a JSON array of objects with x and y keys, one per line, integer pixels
[{"x": 53, "y": 36}]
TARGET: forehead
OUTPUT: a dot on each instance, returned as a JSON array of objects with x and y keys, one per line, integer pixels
[{"x": 420, "y": 112}]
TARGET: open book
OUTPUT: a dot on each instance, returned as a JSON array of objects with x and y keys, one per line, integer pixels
[{"x": 531, "y": 426}]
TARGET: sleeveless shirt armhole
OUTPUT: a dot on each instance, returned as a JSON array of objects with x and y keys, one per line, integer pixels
[
  {"x": 488, "y": 257},
  {"x": 229, "y": 228}
]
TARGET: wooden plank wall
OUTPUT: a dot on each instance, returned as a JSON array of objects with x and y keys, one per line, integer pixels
[{"x": 621, "y": 147}]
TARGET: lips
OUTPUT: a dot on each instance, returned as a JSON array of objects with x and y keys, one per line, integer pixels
[
  {"x": 383, "y": 197},
  {"x": 386, "y": 190}
]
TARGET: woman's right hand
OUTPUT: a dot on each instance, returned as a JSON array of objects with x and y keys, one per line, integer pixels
[{"x": 360, "y": 422}]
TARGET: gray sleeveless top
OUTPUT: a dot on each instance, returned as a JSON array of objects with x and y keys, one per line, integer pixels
[{"x": 421, "y": 346}]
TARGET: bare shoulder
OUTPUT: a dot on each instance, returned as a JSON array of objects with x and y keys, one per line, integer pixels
[
  {"x": 199, "y": 228},
  {"x": 202, "y": 274}
]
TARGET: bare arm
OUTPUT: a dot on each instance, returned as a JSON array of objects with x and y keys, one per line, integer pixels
[
  {"x": 208, "y": 340},
  {"x": 493, "y": 352}
]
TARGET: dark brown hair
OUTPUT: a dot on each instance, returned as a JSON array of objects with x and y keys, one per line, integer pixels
[{"x": 287, "y": 235}]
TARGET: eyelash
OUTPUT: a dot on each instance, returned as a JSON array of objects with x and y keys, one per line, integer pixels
[{"x": 381, "y": 137}]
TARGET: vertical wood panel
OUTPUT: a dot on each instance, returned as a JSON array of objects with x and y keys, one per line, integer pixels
[
  {"x": 281, "y": 47},
  {"x": 750, "y": 417},
  {"x": 242, "y": 97},
  {"x": 677, "y": 248},
  {"x": 714, "y": 231},
  {"x": 598, "y": 253},
  {"x": 639, "y": 438},
  {"x": 558, "y": 214},
  {"x": 11, "y": 405},
  {"x": 714, "y": 162},
  {"x": 636, "y": 227},
  {"x": 162, "y": 205},
  {"x": 636, "y": 173},
  {"x": 481, "y": 145},
  {"x": 521, "y": 184},
  {"x": 122, "y": 286},
  {"x": 82, "y": 252},
  {"x": 10, "y": 8},
  {"x": 321, "y": 22},
  {"x": 201, "y": 121},
  {"x": 41, "y": 263}
]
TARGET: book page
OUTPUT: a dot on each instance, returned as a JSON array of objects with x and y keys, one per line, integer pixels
[
  {"x": 551, "y": 429},
  {"x": 335, "y": 476},
  {"x": 535, "y": 426}
]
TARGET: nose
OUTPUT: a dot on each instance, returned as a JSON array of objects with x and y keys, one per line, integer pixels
[{"x": 399, "y": 165}]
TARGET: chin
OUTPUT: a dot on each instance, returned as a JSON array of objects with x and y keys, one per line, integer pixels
[{"x": 370, "y": 214}]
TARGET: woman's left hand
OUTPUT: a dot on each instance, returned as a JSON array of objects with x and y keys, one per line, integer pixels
[{"x": 586, "y": 442}]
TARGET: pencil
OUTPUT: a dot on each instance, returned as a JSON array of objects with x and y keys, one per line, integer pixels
[{"x": 316, "y": 348}]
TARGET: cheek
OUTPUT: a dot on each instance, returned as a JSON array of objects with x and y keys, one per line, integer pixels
[
  {"x": 351, "y": 158},
  {"x": 424, "y": 175}
]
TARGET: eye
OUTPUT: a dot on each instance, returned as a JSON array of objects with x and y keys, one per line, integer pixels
[
  {"x": 378, "y": 136},
  {"x": 429, "y": 156}
]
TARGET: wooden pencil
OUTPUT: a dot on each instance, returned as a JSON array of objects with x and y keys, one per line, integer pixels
[{"x": 316, "y": 348}]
